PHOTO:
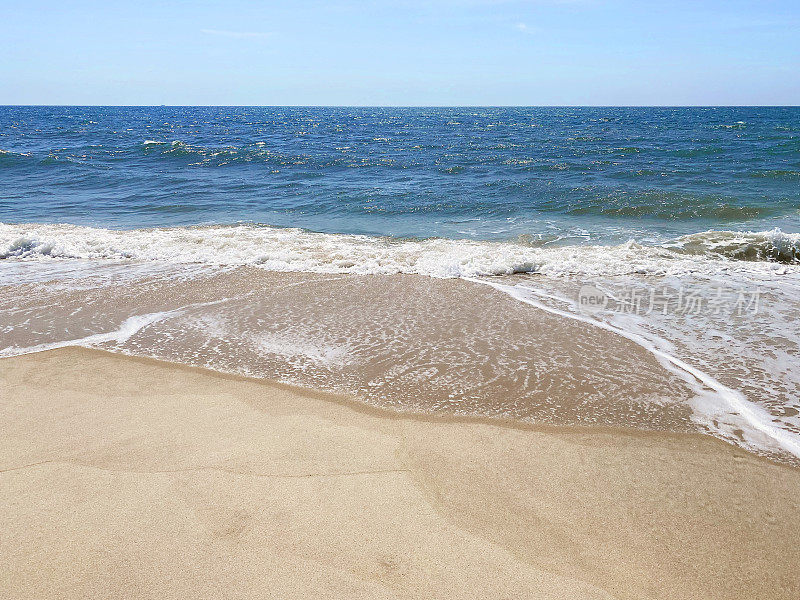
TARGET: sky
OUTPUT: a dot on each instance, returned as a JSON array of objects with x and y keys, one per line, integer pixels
[{"x": 401, "y": 52}]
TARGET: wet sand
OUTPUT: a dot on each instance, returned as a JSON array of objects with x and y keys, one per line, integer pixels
[
  {"x": 124, "y": 477},
  {"x": 408, "y": 343}
]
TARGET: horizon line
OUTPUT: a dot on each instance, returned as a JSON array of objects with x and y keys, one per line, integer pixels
[{"x": 404, "y": 105}]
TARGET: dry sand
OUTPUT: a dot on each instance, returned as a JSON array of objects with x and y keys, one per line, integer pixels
[{"x": 130, "y": 478}]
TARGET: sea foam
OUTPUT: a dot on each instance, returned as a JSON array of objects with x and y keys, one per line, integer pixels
[{"x": 285, "y": 249}]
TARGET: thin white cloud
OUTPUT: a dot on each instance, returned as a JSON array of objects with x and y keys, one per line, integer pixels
[
  {"x": 239, "y": 35},
  {"x": 523, "y": 28}
]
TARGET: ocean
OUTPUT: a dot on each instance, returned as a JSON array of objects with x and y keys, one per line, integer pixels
[
  {"x": 630, "y": 267},
  {"x": 550, "y": 175}
]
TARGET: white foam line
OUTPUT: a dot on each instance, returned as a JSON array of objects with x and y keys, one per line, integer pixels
[
  {"x": 756, "y": 416},
  {"x": 128, "y": 329}
]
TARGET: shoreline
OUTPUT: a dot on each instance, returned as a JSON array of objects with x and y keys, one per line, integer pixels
[
  {"x": 160, "y": 478},
  {"x": 363, "y": 407},
  {"x": 516, "y": 347}
]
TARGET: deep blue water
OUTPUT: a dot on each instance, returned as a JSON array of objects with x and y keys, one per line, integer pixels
[{"x": 563, "y": 174}]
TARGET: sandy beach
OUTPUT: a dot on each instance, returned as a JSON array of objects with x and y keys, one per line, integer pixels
[
  {"x": 129, "y": 478},
  {"x": 471, "y": 300}
]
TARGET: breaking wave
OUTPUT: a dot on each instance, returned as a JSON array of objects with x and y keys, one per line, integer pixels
[
  {"x": 770, "y": 246},
  {"x": 279, "y": 249}
]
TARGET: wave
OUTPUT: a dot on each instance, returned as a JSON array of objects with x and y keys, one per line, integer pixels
[
  {"x": 724, "y": 410},
  {"x": 769, "y": 246},
  {"x": 279, "y": 249},
  {"x": 720, "y": 212},
  {"x": 776, "y": 174},
  {"x": 179, "y": 148},
  {"x": 9, "y": 158},
  {"x": 130, "y": 327},
  {"x": 670, "y": 206},
  {"x": 258, "y": 152}
]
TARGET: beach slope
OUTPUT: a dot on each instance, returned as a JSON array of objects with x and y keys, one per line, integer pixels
[{"x": 123, "y": 477}]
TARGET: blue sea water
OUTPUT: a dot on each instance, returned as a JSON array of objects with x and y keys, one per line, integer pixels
[
  {"x": 159, "y": 231},
  {"x": 551, "y": 175}
]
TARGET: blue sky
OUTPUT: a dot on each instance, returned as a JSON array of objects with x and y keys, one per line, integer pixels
[{"x": 405, "y": 52}]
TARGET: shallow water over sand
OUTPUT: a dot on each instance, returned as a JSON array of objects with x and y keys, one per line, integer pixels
[{"x": 518, "y": 348}]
